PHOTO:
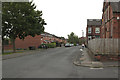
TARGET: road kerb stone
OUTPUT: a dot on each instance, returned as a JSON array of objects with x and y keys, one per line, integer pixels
[
  {"x": 76, "y": 63},
  {"x": 92, "y": 66},
  {"x": 82, "y": 59}
]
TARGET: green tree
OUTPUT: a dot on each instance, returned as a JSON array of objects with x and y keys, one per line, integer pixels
[
  {"x": 20, "y": 19},
  {"x": 72, "y": 38}
]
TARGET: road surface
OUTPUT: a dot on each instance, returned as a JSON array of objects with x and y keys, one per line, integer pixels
[{"x": 53, "y": 63}]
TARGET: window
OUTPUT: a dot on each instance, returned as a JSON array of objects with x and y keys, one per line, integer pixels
[
  {"x": 97, "y": 30},
  {"x": 89, "y": 30},
  {"x": 97, "y": 36}
]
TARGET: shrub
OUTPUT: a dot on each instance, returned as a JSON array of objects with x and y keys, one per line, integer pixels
[
  {"x": 43, "y": 46},
  {"x": 75, "y": 44},
  {"x": 51, "y": 45}
]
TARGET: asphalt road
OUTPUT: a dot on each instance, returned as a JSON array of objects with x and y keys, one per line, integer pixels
[{"x": 53, "y": 63}]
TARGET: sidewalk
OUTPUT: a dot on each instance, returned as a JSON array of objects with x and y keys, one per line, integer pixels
[
  {"x": 86, "y": 61},
  {"x": 20, "y": 53}
]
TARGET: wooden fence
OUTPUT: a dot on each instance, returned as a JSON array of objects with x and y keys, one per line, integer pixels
[{"x": 104, "y": 46}]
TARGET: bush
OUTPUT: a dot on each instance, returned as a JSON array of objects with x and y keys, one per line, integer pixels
[
  {"x": 51, "y": 45},
  {"x": 43, "y": 46},
  {"x": 75, "y": 44},
  {"x": 40, "y": 46}
]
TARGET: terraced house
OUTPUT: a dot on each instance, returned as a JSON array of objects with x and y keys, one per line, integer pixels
[
  {"x": 93, "y": 29},
  {"x": 111, "y": 20}
]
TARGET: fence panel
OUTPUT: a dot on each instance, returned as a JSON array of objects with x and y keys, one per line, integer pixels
[{"x": 104, "y": 46}]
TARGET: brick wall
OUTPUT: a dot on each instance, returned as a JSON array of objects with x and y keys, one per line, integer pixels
[
  {"x": 8, "y": 47},
  {"x": 28, "y": 41},
  {"x": 110, "y": 29}
]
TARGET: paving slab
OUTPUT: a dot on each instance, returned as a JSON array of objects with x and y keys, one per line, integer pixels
[{"x": 85, "y": 60}]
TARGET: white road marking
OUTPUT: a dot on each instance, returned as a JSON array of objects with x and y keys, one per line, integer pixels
[
  {"x": 96, "y": 68},
  {"x": 81, "y": 49}
]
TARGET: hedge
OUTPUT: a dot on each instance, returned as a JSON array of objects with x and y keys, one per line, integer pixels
[{"x": 51, "y": 45}]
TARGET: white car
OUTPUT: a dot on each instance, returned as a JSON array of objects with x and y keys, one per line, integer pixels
[
  {"x": 67, "y": 45},
  {"x": 71, "y": 45}
]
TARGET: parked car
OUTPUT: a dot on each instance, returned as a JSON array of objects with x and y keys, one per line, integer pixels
[
  {"x": 67, "y": 45},
  {"x": 71, "y": 45}
]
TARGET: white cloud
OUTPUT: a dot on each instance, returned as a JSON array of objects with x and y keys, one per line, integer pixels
[{"x": 66, "y": 16}]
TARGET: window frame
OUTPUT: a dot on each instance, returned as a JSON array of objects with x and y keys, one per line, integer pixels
[
  {"x": 89, "y": 30},
  {"x": 97, "y": 31}
]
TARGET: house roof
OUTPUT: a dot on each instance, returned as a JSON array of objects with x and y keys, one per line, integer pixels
[
  {"x": 115, "y": 6},
  {"x": 96, "y": 22}
]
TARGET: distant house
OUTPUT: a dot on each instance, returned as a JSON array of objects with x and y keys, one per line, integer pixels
[
  {"x": 111, "y": 20},
  {"x": 93, "y": 29},
  {"x": 46, "y": 38},
  {"x": 82, "y": 40}
]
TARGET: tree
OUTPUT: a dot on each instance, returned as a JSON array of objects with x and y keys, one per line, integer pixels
[
  {"x": 19, "y": 19},
  {"x": 72, "y": 38}
]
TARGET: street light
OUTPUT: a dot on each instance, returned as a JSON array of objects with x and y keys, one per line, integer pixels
[
  {"x": 82, "y": 36},
  {"x": 82, "y": 33}
]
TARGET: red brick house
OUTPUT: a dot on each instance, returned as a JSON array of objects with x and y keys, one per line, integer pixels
[
  {"x": 111, "y": 20},
  {"x": 36, "y": 41},
  {"x": 48, "y": 38},
  {"x": 93, "y": 29}
]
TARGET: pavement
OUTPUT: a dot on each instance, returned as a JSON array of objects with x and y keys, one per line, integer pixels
[
  {"x": 86, "y": 61},
  {"x": 19, "y": 54}
]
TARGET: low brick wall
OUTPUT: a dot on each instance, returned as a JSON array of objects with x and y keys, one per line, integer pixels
[
  {"x": 8, "y": 47},
  {"x": 28, "y": 41}
]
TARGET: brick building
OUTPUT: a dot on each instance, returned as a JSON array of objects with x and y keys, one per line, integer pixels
[
  {"x": 48, "y": 38},
  {"x": 28, "y": 41},
  {"x": 93, "y": 29},
  {"x": 36, "y": 41},
  {"x": 111, "y": 20}
]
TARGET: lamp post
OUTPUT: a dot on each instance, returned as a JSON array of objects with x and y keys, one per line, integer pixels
[{"x": 82, "y": 36}]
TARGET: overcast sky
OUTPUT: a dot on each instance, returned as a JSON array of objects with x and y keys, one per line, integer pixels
[{"x": 66, "y": 16}]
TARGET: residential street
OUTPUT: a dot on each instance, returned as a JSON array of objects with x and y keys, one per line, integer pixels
[{"x": 53, "y": 63}]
